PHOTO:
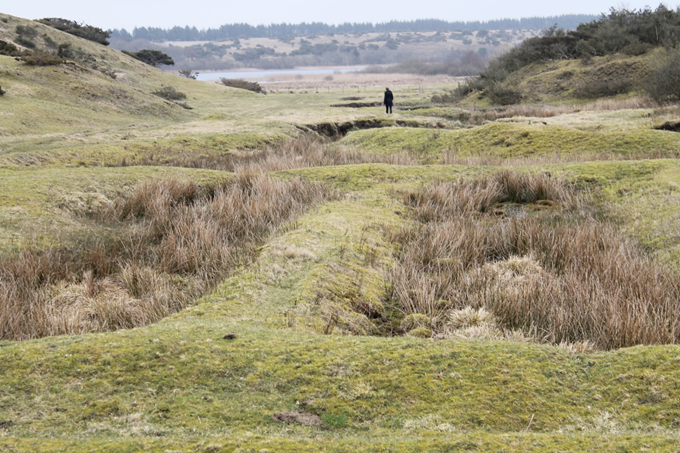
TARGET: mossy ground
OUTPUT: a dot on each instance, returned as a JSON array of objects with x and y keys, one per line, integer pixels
[
  {"x": 516, "y": 140},
  {"x": 179, "y": 386}
]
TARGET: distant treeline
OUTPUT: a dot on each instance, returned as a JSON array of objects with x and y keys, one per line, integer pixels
[{"x": 231, "y": 31}]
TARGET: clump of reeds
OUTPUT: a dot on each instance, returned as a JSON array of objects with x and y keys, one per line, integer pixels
[
  {"x": 555, "y": 274},
  {"x": 466, "y": 197},
  {"x": 178, "y": 240},
  {"x": 305, "y": 150}
]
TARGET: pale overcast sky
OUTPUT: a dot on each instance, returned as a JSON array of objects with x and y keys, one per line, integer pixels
[{"x": 213, "y": 13}]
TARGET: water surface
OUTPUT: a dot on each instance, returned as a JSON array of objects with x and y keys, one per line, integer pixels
[{"x": 261, "y": 75}]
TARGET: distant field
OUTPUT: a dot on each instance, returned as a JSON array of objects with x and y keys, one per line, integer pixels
[{"x": 340, "y": 49}]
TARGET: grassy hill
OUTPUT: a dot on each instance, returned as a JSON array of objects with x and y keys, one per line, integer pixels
[
  {"x": 622, "y": 54},
  {"x": 198, "y": 280}
]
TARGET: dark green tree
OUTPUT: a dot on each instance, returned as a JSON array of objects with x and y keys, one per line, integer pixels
[
  {"x": 84, "y": 31},
  {"x": 152, "y": 57}
]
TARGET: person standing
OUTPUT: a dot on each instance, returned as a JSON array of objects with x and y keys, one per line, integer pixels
[{"x": 388, "y": 101}]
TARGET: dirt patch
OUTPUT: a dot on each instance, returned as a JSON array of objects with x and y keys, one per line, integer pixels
[
  {"x": 339, "y": 130},
  {"x": 301, "y": 418},
  {"x": 673, "y": 126},
  {"x": 357, "y": 105}
]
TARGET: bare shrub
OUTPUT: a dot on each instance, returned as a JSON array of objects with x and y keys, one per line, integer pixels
[
  {"x": 170, "y": 93},
  {"x": 179, "y": 239},
  {"x": 560, "y": 278},
  {"x": 188, "y": 73}
]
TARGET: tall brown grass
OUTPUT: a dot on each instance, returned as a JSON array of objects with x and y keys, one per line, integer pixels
[
  {"x": 465, "y": 197},
  {"x": 178, "y": 240},
  {"x": 556, "y": 274},
  {"x": 305, "y": 150}
]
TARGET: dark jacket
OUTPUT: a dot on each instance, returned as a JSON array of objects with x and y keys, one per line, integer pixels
[{"x": 389, "y": 97}]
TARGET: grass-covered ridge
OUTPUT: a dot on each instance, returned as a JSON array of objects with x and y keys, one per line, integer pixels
[
  {"x": 308, "y": 322},
  {"x": 533, "y": 139}
]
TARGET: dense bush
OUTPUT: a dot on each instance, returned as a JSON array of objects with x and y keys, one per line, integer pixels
[
  {"x": 7, "y": 48},
  {"x": 504, "y": 95},
  {"x": 604, "y": 88},
  {"x": 154, "y": 58},
  {"x": 25, "y": 42},
  {"x": 84, "y": 31},
  {"x": 39, "y": 58},
  {"x": 663, "y": 84},
  {"x": 170, "y": 93},
  {"x": 26, "y": 30},
  {"x": 65, "y": 51},
  {"x": 49, "y": 42},
  {"x": 242, "y": 84}
]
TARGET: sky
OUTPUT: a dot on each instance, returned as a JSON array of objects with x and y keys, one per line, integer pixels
[{"x": 129, "y": 14}]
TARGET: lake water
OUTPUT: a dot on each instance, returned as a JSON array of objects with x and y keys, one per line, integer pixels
[{"x": 260, "y": 75}]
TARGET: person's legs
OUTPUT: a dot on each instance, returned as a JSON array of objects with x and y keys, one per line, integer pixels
[
  {"x": 387, "y": 109},
  {"x": 390, "y": 109}
]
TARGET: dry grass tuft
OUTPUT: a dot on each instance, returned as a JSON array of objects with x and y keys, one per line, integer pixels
[
  {"x": 305, "y": 150},
  {"x": 464, "y": 197},
  {"x": 559, "y": 276},
  {"x": 179, "y": 240}
]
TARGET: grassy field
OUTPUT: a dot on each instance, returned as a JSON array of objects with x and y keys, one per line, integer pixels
[{"x": 304, "y": 317}]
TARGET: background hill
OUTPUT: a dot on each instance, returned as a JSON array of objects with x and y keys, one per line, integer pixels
[
  {"x": 621, "y": 53},
  {"x": 280, "y": 46}
]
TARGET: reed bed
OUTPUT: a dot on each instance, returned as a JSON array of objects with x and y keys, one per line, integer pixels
[
  {"x": 523, "y": 249},
  {"x": 178, "y": 240}
]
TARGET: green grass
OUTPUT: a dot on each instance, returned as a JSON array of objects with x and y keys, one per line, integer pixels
[
  {"x": 512, "y": 141},
  {"x": 394, "y": 391}
]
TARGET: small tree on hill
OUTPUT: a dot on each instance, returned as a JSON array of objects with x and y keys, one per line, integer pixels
[
  {"x": 154, "y": 58},
  {"x": 188, "y": 73}
]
